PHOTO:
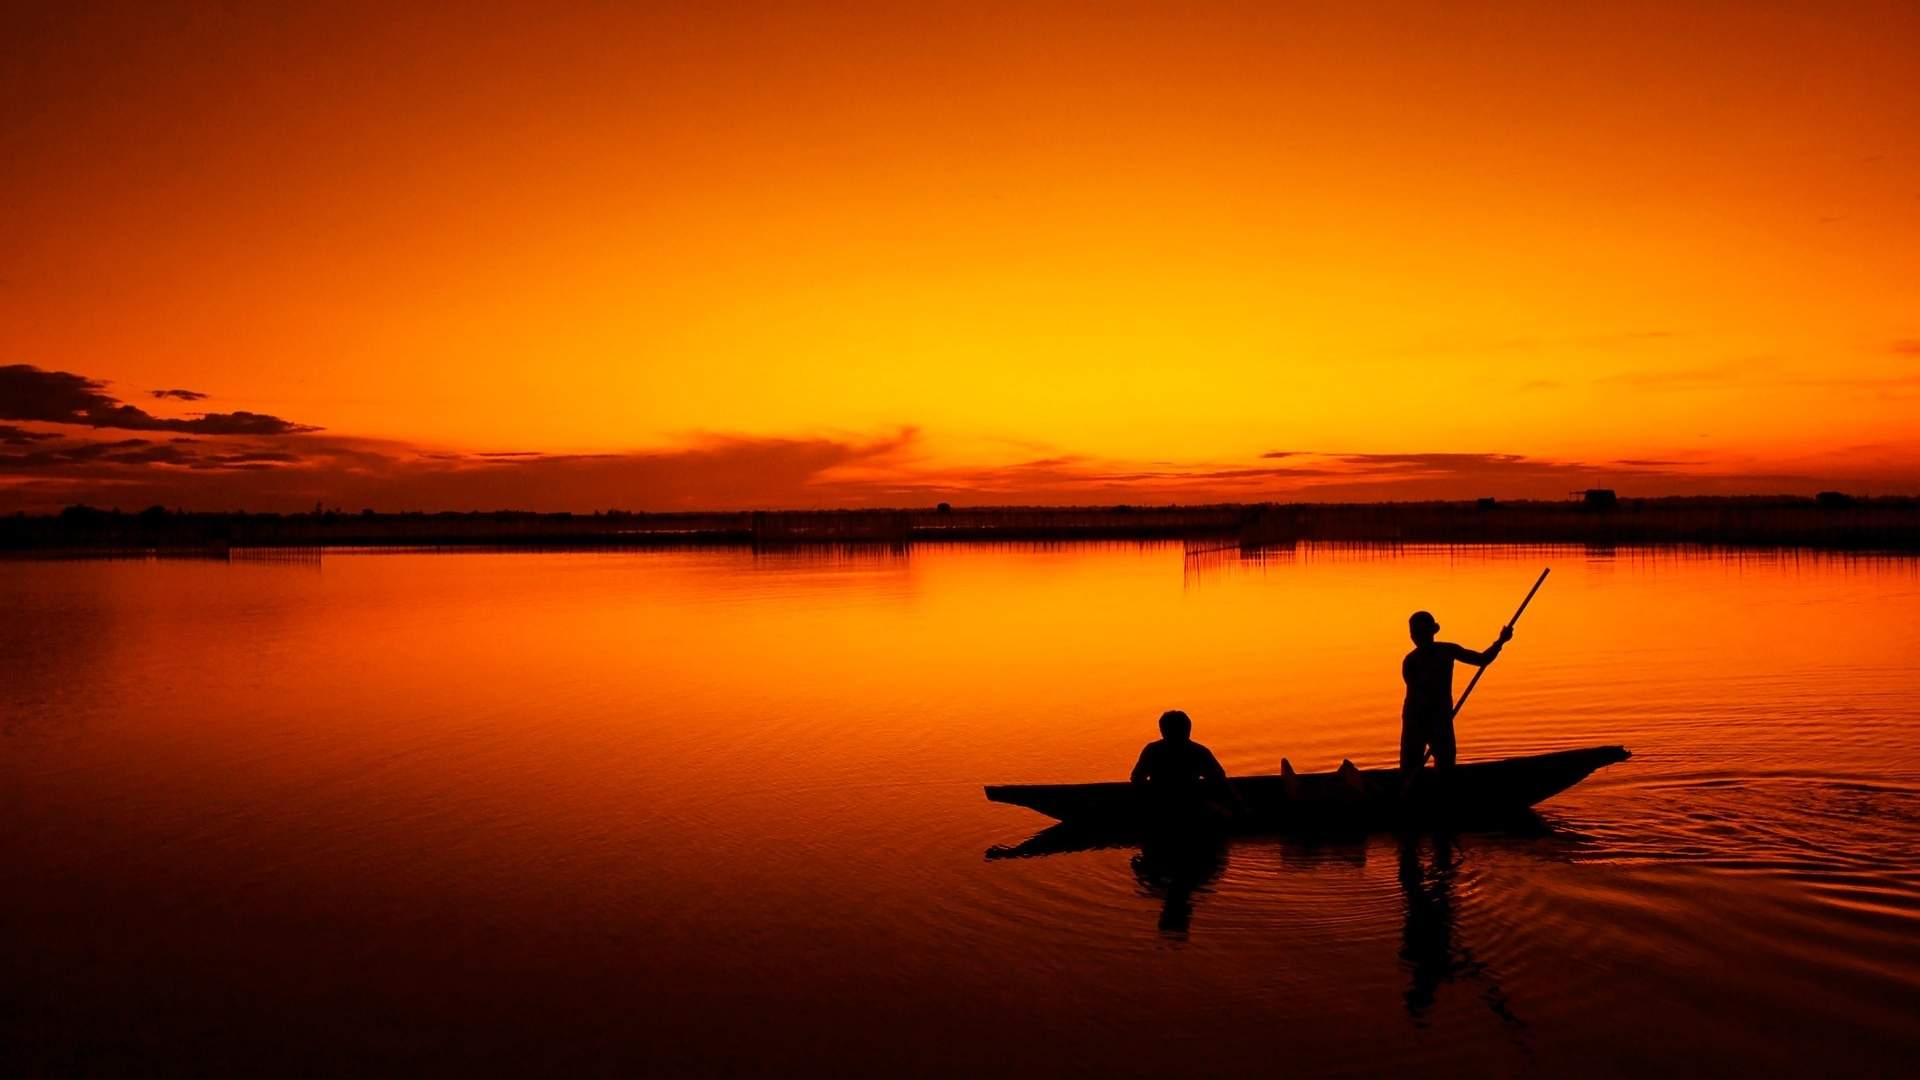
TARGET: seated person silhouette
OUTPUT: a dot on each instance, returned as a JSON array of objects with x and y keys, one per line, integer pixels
[
  {"x": 1184, "y": 776},
  {"x": 1426, "y": 716}
]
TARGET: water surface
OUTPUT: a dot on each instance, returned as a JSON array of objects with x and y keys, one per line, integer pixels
[{"x": 701, "y": 811}]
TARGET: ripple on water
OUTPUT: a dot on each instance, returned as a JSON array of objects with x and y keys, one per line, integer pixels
[{"x": 1769, "y": 821}]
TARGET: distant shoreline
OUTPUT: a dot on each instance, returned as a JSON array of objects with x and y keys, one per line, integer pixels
[{"x": 1829, "y": 521}]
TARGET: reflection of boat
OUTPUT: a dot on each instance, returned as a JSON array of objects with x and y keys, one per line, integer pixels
[
  {"x": 1348, "y": 799},
  {"x": 1061, "y": 839}
]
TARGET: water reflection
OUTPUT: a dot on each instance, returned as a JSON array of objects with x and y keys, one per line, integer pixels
[
  {"x": 1429, "y": 949},
  {"x": 1175, "y": 870},
  {"x": 1059, "y": 840},
  {"x": 1430, "y": 864}
]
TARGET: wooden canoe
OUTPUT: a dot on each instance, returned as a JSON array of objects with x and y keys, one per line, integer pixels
[{"x": 1346, "y": 798}]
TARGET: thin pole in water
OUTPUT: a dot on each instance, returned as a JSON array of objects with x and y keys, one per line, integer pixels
[{"x": 1475, "y": 681}]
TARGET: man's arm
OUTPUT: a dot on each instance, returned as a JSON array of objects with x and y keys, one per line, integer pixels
[
  {"x": 1140, "y": 769},
  {"x": 1217, "y": 776},
  {"x": 1482, "y": 659}
]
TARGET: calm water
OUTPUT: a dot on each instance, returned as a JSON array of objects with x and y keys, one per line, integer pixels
[{"x": 712, "y": 811}]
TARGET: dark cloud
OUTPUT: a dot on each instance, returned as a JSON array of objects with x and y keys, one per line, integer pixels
[
  {"x": 178, "y": 395},
  {"x": 295, "y": 471},
  {"x": 61, "y": 397},
  {"x": 15, "y": 436},
  {"x": 103, "y": 459},
  {"x": 1430, "y": 461}
]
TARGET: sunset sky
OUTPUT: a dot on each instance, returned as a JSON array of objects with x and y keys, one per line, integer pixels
[{"x": 568, "y": 256}]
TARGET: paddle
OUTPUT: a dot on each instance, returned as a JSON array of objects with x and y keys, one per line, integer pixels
[{"x": 1475, "y": 681}]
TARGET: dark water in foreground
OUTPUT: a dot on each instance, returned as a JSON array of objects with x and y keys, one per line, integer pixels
[{"x": 711, "y": 811}]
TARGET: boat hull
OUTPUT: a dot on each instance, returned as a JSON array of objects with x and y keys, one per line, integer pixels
[{"x": 1351, "y": 798}]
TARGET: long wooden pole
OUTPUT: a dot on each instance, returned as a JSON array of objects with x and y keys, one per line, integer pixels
[{"x": 1475, "y": 681}]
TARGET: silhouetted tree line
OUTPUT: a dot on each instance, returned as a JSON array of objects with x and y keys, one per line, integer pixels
[{"x": 1829, "y": 520}]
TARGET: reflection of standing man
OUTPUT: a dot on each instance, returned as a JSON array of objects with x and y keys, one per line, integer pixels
[
  {"x": 1426, "y": 718},
  {"x": 1426, "y": 939},
  {"x": 1427, "y": 947}
]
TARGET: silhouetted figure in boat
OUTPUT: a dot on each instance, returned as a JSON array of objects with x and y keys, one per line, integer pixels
[
  {"x": 1426, "y": 718},
  {"x": 1184, "y": 776}
]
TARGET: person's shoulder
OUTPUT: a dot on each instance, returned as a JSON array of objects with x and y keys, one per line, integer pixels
[{"x": 1201, "y": 748}]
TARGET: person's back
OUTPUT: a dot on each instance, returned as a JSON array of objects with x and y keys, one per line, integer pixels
[
  {"x": 1428, "y": 673},
  {"x": 1426, "y": 715},
  {"x": 1177, "y": 769},
  {"x": 1182, "y": 764}
]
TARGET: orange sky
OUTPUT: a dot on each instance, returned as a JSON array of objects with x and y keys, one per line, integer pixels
[{"x": 789, "y": 255}]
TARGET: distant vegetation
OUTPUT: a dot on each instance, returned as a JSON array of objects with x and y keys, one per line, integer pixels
[{"x": 1830, "y": 520}]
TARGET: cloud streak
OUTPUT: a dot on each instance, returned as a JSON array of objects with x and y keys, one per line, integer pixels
[
  {"x": 747, "y": 472},
  {"x": 293, "y": 472},
  {"x": 62, "y": 397},
  {"x": 275, "y": 465},
  {"x": 1299, "y": 475}
]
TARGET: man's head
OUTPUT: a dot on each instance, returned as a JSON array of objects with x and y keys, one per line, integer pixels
[
  {"x": 1422, "y": 625},
  {"x": 1176, "y": 725}
]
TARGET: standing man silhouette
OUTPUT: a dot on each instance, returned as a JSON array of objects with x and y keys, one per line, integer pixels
[{"x": 1426, "y": 717}]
